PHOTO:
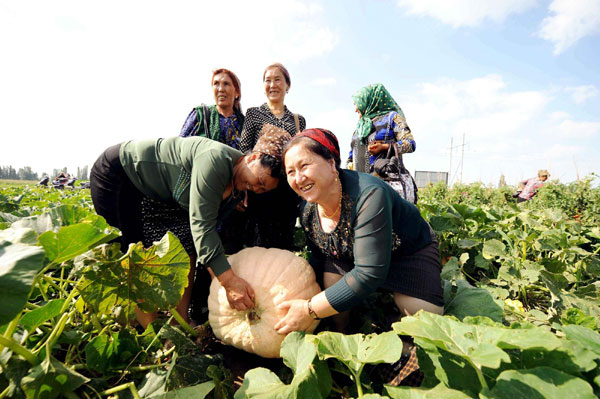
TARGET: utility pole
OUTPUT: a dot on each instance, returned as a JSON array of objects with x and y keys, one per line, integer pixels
[{"x": 452, "y": 146}]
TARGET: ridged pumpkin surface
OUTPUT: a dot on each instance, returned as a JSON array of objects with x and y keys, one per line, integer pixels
[{"x": 275, "y": 275}]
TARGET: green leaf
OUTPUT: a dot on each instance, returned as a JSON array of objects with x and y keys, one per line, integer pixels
[
  {"x": 74, "y": 240},
  {"x": 152, "y": 278},
  {"x": 19, "y": 265},
  {"x": 19, "y": 235},
  {"x": 440, "y": 391},
  {"x": 541, "y": 382},
  {"x": 493, "y": 249},
  {"x": 51, "y": 379},
  {"x": 577, "y": 317},
  {"x": 199, "y": 391},
  {"x": 467, "y": 244},
  {"x": 114, "y": 351},
  {"x": 311, "y": 376},
  {"x": 481, "y": 344},
  {"x": 357, "y": 349},
  {"x": 451, "y": 270},
  {"x": 583, "y": 335},
  {"x": 31, "y": 320},
  {"x": 473, "y": 301}
]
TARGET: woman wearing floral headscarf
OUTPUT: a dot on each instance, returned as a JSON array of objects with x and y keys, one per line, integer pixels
[{"x": 381, "y": 127}]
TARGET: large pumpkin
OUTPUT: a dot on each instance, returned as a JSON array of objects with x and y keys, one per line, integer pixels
[{"x": 275, "y": 275}]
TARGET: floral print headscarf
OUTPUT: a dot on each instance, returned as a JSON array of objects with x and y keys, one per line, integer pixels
[{"x": 373, "y": 100}]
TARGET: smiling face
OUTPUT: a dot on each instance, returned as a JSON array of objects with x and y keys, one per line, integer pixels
[
  {"x": 224, "y": 92},
  {"x": 255, "y": 177},
  {"x": 275, "y": 85},
  {"x": 310, "y": 175}
]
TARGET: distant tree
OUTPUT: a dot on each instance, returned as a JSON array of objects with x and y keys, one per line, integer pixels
[
  {"x": 27, "y": 174},
  {"x": 82, "y": 174},
  {"x": 502, "y": 182}
]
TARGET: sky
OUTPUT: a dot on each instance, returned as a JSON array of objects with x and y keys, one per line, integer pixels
[{"x": 516, "y": 81}]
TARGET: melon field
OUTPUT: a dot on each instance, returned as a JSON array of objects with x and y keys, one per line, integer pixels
[{"x": 522, "y": 309}]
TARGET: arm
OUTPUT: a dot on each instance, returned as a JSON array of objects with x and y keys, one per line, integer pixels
[
  {"x": 210, "y": 176},
  {"x": 191, "y": 126},
  {"x": 404, "y": 137},
  {"x": 372, "y": 253}
]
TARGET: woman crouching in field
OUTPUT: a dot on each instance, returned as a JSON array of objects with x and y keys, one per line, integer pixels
[
  {"x": 203, "y": 176},
  {"x": 362, "y": 236}
]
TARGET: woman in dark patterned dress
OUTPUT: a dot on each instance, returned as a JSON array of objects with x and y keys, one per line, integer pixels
[
  {"x": 362, "y": 236},
  {"x": 272, "y": 216}
]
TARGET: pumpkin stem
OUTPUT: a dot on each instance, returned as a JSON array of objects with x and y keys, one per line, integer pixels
[{"x": 253, "y": 316}]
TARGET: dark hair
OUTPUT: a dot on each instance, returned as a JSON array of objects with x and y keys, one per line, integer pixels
[
  {"x": 273, "y": 163},
  {"x": 236, "y": 83},
  {"x": 283, "y": 70},
  {"x": 313, "y": 146}
]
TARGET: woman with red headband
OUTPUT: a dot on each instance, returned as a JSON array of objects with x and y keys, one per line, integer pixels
[{"x": 362, "y": 236}]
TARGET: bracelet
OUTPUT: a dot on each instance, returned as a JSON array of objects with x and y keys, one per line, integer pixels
[{"x": 311, "y": 312}]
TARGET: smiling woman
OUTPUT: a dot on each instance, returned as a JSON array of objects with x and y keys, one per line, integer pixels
[
  {"x": 203, "y": 177},
  {"x": 276, "y": 229}
]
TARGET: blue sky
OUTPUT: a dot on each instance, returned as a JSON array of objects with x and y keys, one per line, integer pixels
[{"x": 519, "y": 78}]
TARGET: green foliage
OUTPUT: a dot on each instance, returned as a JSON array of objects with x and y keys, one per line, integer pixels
[{"x": 521, "y": 287}]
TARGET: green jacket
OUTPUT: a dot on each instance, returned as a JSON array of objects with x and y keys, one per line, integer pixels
[{"x": 193, "y": 172}]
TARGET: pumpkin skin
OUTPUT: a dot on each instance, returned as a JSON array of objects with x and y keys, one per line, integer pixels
[{"x": 275, "y": 275}]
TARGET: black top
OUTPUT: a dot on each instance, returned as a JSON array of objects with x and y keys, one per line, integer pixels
[{"x": 257, "y": 117}]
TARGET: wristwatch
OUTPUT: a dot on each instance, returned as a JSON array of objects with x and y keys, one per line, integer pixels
[{"x": 311, "y": 312}]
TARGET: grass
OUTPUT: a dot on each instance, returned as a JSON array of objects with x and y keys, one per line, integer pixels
[{"x": 9, "y": 182}]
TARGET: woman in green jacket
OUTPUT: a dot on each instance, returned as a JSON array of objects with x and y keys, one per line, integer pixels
[{"x": 205, "y": 177}]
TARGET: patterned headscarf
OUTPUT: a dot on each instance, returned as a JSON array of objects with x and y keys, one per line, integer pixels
[
  {"x": 324, "y": 137},
  {"x": 271, "y": 141},
  {"x": 372, "y": 101}
]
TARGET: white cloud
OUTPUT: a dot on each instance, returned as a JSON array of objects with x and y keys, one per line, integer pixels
[
  {"x": 470, "y": 13},
  {"x": 571, "y": 21},
  {"x": 581, "y": 94},
  {"x": 570, "y": 129}
]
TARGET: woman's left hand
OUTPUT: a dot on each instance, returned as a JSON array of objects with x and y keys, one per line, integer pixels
[
  {"x": 297, "y": 317},
  {"x": 376, "y": 148}
]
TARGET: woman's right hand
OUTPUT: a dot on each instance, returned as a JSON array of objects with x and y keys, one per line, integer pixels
[{"x": 240, "y": 294}]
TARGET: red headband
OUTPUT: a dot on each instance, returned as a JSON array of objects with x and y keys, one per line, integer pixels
[{"x": 325, "y": 138}]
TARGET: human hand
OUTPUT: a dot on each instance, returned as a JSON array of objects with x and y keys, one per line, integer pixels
[
  {"x": 297, "y": 317},
  {"x": 376, "y": 148},
  {"x": 240, "y": 294}
]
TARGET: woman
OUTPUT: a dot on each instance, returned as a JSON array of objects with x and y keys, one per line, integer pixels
[
  {"x": 278, "y": 229},
  {"x": 203, "y": 176},
  {"x": 362, "y": 236},
  {"x": 221, "y": 122},
  {"x": 381, "y": 127}
]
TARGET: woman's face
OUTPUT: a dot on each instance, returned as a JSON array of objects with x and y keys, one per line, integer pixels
[
  {"x": 310, "y": 175},
  {"x": 275, "y": 85},
  {"x": 224, "y": 91},
  {"x": 357, "y": 111},
  {"x": 256, "y": 177}
]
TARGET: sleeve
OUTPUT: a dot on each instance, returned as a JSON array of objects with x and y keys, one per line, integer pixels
[
  {"x": 302, "y": 122},
  {"x": 404, "y": 137},
  {"x": 210, "y": 175},
  {"x": 250, "y": 130},
  {"x": 372, "y": 251},
  {"x": 191, "y": 125}
]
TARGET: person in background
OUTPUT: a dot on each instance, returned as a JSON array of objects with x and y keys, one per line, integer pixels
[
  {"x": 281, "y": 205},
  {"x": 221, "y": 122},
  {"x": 529, "y": 186},
  {"x": 381, "y": 125},
  {"x": 362, "y": 236},
  {"x": 206, "y": 178}
]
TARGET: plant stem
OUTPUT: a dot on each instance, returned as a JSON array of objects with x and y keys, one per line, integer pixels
[
  {"x": 359, "y": 389},
  {"x": 19, "y": 349},
  {"x": 183, "y": 323},
  {"x": 122, "y": 387},
  {"x": 479, "y": 374},
  {"x": 10, "y": 329}
]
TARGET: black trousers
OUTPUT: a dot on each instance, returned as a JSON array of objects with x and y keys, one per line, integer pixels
[{"x": 115, "y": 197}]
